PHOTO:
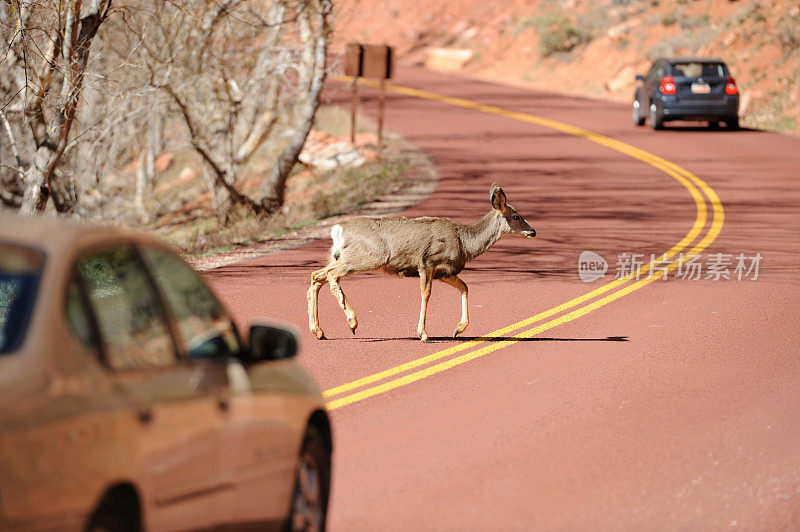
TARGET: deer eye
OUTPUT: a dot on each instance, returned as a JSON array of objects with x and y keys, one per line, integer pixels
[{"x": 516, "y": 217}]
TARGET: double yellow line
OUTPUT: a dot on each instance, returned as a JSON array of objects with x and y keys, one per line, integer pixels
[{"x": 423, "y": 367}]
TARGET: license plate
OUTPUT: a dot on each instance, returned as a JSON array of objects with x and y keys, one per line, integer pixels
[{"x": 701, "y": 88}]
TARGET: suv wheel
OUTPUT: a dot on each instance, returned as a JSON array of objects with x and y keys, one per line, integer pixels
[
  {"x": 732, "y": 123},
  {"x": 656, "y": 118},
  {"x": 638, "y": 117}
]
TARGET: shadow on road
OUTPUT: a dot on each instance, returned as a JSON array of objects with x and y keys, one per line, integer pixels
[
  {"x": 434, "y": 339},
  {"x": 708, "y": 129}
]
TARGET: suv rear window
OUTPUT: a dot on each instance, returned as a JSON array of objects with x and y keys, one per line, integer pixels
[
  {"x": 697, "y": 70},
  {"x": 20, "y": 269}
]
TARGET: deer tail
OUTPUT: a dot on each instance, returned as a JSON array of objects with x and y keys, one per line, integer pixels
[{"x": 337, "y": 235}]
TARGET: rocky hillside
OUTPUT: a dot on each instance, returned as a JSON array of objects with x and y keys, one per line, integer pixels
[{"x": 594, "y": 47}]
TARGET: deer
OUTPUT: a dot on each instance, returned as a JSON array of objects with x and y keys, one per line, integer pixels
[{"x": 429, "y": 248}]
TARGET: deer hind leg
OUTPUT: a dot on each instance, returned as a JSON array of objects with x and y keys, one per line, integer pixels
[
  {"x": 461, "y": 286},
  {"x": 336, "y": 290},
  {"x": 425, "y": 280},
  {"x": 318, "y": 279}
]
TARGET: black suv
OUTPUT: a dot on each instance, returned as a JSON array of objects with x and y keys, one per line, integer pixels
[{"x": 687, "y": 88}]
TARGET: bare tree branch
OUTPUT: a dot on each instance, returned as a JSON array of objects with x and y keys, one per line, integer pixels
[
  {"x": 12, "y": 142},
  {"x": 51, "y": 149}
]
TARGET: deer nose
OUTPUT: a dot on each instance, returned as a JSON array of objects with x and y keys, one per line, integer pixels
[{"x": 531, "y": 233}]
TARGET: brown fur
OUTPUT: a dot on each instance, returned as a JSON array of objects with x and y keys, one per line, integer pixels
[{"x": 428, "y": 248}]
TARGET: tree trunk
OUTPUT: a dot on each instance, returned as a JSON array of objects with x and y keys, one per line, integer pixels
[
  {"x": 37, "y": 179},
  {"x": 51, "y": 149},
  {"x": 275, "y": 188},
  {"x": 141, "y": 184}
]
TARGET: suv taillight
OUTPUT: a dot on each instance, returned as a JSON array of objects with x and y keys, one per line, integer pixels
[
  {"x": 730, "y": 86},
  {"x": 668, "y": 85}
]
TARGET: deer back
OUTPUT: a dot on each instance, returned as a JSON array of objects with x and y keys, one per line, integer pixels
[{"x": 400, "y": 245}]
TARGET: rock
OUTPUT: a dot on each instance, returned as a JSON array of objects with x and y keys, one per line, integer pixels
[
  {"x": 748, "y": 100},
  {"x": 624, "y": 80},
  {"x": 187, "y": 174},
  {"x": 163, "y": 162},
  {"x": 729, "y": 39},
  {"x": 327, "y": 153},
  {"x": 447, "y": 59},
  {"x": 618, "y": 32}
]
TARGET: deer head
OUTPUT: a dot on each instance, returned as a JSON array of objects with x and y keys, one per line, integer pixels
[{"x": 515, "y": 224}]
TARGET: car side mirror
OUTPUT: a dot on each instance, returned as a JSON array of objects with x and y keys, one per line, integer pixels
[
  {"x": 639, "y": 77},
  {"x": 269, "y": 342}
]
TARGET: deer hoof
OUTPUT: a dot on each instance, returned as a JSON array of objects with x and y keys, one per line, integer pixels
[
  {"x": 318, "y": 333},
  {"x": 459, "y": 329},
  {"x": 353, "y": 324},
  {"x": 423, "y": 336}
]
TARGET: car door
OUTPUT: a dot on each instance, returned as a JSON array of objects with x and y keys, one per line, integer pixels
[
  {"x": 260, "y": 438},
  {"x": 176, "y": 404},
  {"x": 271, "y": 418}
]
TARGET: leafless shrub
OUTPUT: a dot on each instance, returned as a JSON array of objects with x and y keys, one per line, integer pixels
[
  {"x": 47, "y": 46},
  {"x": 238, "y": 76},
  {"x": 235, "y": 74}
]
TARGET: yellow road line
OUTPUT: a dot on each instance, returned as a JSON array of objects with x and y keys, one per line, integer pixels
[
  {"x": 680, "y": 246},
  {"x": 455, "y": 361},
  {"x": 687, "y": 179}
]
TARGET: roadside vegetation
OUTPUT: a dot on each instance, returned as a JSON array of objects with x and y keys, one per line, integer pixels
[
  {"x": 93, "y": 94},
  {"x": 313, "y": 193},
  {"x": 557, "y": 33}
]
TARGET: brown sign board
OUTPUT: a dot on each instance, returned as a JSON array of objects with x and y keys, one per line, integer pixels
[
  {"x": 377, "y": 61},
  {"x": 352, "y": 60},
  {"x": 368, "y": 61}
]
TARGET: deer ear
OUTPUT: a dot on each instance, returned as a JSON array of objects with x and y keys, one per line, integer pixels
[{"x": 498, "y": 197}]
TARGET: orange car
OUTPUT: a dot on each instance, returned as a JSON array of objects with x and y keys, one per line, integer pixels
[{"x": 130, "y": 401}]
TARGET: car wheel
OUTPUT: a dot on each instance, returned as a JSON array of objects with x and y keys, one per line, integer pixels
[
  {"x": 638, "y": 117},
  {"x": 713, "y": 124},
  {"x": 112, "y": 518},
  {"x": 732, "y": 123},
  {"x": 656, "y": 118},
  {"x": 311, "y": 485},
  {"x": 107, "y": 522}
]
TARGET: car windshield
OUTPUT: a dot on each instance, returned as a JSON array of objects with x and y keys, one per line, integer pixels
[
  {"x": 19, "y": 280},
  {"x": 697, "y": 69}
]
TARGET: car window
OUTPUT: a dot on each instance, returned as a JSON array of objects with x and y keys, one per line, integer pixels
[
  {"x": 205, "y": 328},
  {"x": 20, "y": 269},
  {"x": 130, "y": 320},
  {"x": 697, "y": 69}
]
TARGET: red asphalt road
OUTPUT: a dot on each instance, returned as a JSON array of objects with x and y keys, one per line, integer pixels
[{"x": 676, "y": 406}]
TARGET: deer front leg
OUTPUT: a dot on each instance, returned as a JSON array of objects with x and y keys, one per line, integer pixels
[
  {"x": 456, "y": 282},
  {"x": 337, "y": 292},
  {"x": 425, "y": 280},
  {"x": 317, "y": 280}
]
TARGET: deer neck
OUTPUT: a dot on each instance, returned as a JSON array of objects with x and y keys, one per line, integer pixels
[{"x": 479, "y": 236}]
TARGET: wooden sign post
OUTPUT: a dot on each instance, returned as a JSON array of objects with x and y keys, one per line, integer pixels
[{"x": 368, "y": 61}]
